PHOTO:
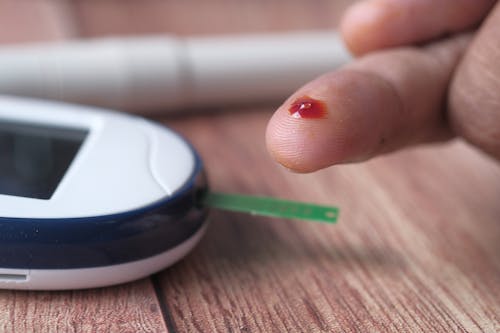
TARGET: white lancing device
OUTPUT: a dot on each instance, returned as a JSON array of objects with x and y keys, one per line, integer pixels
[{"x": 166, "y": 73}]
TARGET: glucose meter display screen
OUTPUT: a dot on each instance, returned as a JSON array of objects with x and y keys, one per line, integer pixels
[{"x": 34, "y": 158}]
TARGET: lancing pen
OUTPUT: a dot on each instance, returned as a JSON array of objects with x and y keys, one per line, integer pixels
[{"x": 165, "y": 73}]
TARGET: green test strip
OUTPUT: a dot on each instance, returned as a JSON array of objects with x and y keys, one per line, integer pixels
[{"x": 271, "y": 207}]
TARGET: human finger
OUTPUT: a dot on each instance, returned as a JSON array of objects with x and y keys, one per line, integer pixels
[
  {"x": 379, "y": 103},
  {"x": 474, "y": 108},
  {"x": 375, "y": 24}
]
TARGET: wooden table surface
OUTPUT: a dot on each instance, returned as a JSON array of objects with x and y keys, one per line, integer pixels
[{"x": 417, "y": 248}]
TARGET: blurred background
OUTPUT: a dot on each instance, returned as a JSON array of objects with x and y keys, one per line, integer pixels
[{"x": 35, "y": 20}]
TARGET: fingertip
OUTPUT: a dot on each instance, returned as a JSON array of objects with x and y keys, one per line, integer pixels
[
  {"x": 377, "y": 24},
  {"x": 287, "y": 145},
  {"x": 358, "y": 24},
  {"x": 288, "y": 140},
  {"x": 294, "y": 142},
  {"x": 347, "y": 132},
  {"x": 296, "y": 149},
  {"x": 380, "y": 103}
]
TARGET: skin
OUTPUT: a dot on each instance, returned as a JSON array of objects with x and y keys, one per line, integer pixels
[{"x": 427, "y": 71}]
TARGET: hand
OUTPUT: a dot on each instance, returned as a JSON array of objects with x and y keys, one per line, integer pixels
[{"x": 399, "y": 94}]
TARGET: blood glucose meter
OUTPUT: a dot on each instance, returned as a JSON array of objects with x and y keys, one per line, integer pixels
[{"x": 91, "y": 198}]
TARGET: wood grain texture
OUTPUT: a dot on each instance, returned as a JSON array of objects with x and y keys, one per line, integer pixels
[
  {"x": 35, "y": 20},
  {"x": 110, "y": 17},
  {"x": 128, "y": 308},
  {"x": 416, "y": 248}
]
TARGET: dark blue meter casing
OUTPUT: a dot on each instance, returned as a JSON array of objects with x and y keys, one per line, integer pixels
[{"x": 91, "y": 198}]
